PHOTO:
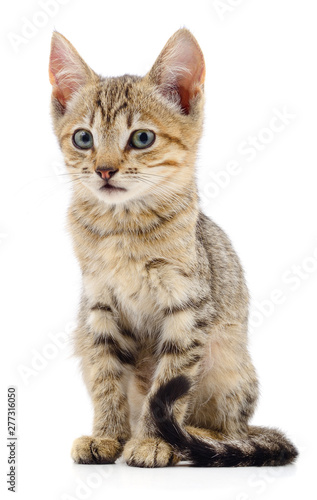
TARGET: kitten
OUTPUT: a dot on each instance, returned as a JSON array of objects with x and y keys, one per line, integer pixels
[{"x": 162, "y": 328}]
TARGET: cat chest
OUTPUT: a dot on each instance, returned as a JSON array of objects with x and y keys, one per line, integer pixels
[
  {"x": 117, "y": 278},
  {"x": 139, "y": 284}
]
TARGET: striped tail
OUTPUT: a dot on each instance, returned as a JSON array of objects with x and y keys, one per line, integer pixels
[{"x": 262, "y": 446}]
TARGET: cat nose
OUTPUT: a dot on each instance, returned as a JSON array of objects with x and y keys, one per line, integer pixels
[{"x": 106, "y": 172}]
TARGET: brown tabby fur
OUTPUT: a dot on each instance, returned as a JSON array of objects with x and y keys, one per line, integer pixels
[{"x": 164, "y": 309}]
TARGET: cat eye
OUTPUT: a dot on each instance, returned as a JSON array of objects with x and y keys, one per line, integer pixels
[
  {"x": 83, "y": 139},
  {"x": 141, "y": 139}
]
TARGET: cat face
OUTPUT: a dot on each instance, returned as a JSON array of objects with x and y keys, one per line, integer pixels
[{"x": 129, "y": 138}]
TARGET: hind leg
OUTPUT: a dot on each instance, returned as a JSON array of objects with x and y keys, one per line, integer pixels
[
  {"x": 227, "y": 390},
  {"x": 203, "y": 433},
  {"x": 225, "y": 397}
]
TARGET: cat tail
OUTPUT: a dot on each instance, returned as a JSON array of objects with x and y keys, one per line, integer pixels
[{"x": 262, "y": 446}]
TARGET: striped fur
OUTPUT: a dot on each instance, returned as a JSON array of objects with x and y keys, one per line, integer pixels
[
  {"x": 260, "y": 447},
  {"x": 162, "y": 326}
]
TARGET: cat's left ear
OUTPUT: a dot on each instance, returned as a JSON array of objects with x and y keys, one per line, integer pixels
[
  {"x": 179, "y": 71},
  {"x": 68, "y": 72}
]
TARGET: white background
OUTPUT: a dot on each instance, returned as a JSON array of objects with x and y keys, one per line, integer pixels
[{"x": 261, "y": 57}]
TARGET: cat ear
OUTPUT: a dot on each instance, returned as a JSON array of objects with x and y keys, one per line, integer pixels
[
  {"x": 67, "y": 70},
  {"x": 179, "y": 71}
]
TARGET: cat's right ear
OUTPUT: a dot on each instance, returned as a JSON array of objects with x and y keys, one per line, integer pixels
[{"x": 68, "y": 72}]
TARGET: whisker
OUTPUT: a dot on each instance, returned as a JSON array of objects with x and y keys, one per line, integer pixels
[
  {"x": 165, "y": 195},
  {"x": 169, "y": 183}
]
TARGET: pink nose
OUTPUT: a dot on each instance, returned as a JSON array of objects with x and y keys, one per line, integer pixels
[{"x": 106, "y": 172}]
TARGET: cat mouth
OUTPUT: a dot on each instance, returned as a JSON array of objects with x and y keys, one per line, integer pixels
[{"x": 111, "y": 189}]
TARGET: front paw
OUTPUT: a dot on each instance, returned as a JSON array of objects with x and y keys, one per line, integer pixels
[
  {"x": 95, "y": 450},
  {"x": 150, "y": 452}
]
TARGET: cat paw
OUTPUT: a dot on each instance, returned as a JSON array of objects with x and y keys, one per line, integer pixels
[
  {"x": 95, "y": 450},
  {"x": 150, "y": 452}
]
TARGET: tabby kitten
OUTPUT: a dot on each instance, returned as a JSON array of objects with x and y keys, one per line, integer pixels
[{"x": 162, "y": 328}]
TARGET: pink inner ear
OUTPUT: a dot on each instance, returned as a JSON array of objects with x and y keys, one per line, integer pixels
[
  {"x": 184, "y": 70},
  {"x": 188, "y": 83},
  {"x": 66, "y": 72}
]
